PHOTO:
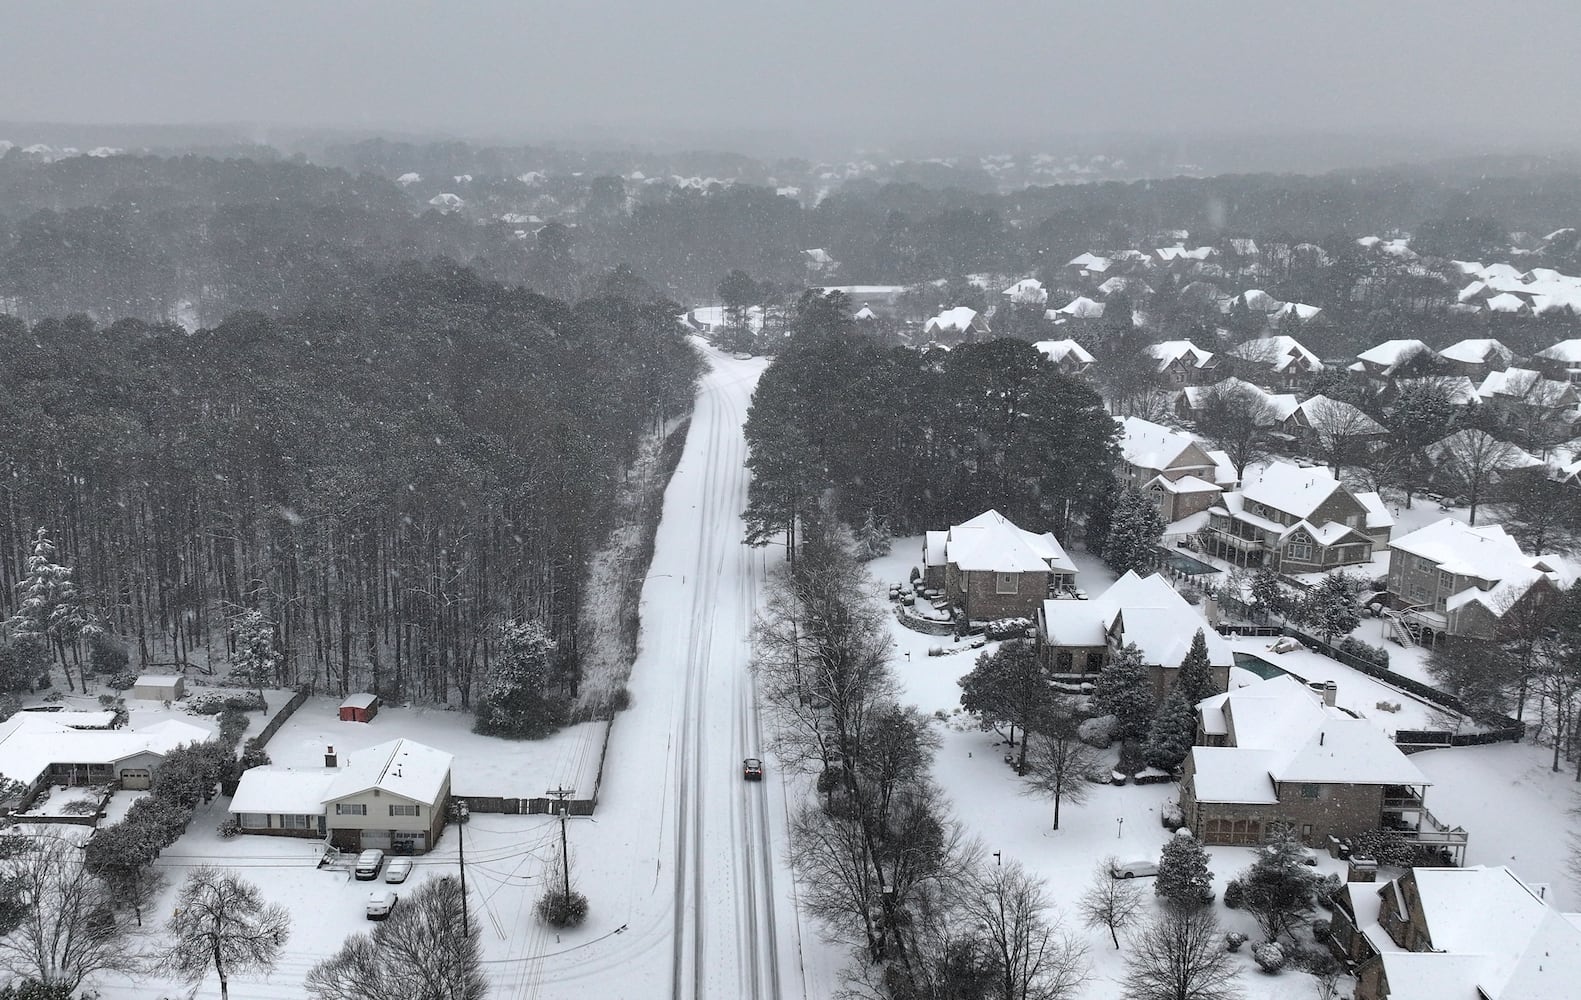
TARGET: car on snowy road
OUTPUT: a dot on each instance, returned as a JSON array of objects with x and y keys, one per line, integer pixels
[
  {"x": 752, "y": 769},
  {"x": 1132, "y": 869}
]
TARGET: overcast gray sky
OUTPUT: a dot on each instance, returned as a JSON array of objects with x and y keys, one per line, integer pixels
[{"x": 891, "y": 69}]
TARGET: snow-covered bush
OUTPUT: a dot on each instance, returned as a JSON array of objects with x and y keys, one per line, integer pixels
[
  {"x": 1269, "y": 957},
  {"x": 560, "y": 910},
  {"x": 1365, "y": 651},
  {"x": 1320, "y": 930},
  {"x": 1098, "y": 732},
  {"x": 215, "y": 702},
  {"x": 1233, "y": 940},
  {"x": 228, "y": 829},
  {"x": 1007, "y": 628},
  {"x": 1234, "y": 894},
  {"x": 1171, "y": 816}
]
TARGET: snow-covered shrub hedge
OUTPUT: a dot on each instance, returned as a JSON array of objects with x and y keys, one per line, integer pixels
[
  {"x": 1098, "y": 732},
  {"x": 122, "y": 681},
  {"x": 1171, "y": 816},
  {"x": 1365, "y": 651},
  {"x": 1269, "y": 957},
  {"x": 215, "y": 702},
  {"x": 1007, "y": 628}
]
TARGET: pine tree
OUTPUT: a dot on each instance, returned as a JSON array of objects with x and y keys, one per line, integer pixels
[
  {"x": 1183, "y": 876},
  {"x": 1124, "y": 691},
  {"x": 1278, "y": 888},
  {"x": 1330, "y": 607},
  {"x": 1267, "y": 593},
  {"x": 1135, "y": 529},
  {"x": 50, "y": 610},
  {"x": 1174, "y": 729},
  {"x": 255, "y": 658},
  {"x": 872, "y": 538},
  {"x": 1195, "y": 679},
  {"x": 517, "y": 699}
]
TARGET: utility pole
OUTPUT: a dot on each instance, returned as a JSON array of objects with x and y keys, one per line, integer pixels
[
  {"x": 459, "y": 811},
  {"x": 560, "y": 795}
]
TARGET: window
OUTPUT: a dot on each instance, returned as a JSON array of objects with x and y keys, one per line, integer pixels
[
  {"x": 297, "y": 822},
  {"x": 404, "y": 810},
  {"x": 1006, "y": 583},
  {"x": 254, "y": 821},
  {"x": 1310, "y": 791},
  {"x": 1300, "y": 551},
  {"x": 351, "y": 809},
  {"x": 1418, "y": 593},
  {"x": 1446, "y": 582},
  {"x": 1094, "y": 662}
]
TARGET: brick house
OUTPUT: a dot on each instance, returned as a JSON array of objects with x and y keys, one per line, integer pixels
[
  {"x": 1319, "y": 420},
  {"x": 1276, "y": 406},
  {"x": 989, "y": 568},
  {"x": 1451, "y": 933},
  {"x": 393, "y": 796},
  {"x": 1475, "y": 358},
  {"x": 1296, "y": 520},
  {"x": 1277, "y": 757},
  {"x": 1179, "y": 474},
  {"x": 1182, "y": 363},
  {"x": 1279, "y": 362},
  {"x": 1068, "y": 356},
  {"x": 1078, "y": 637},
  {"x": 1561, "y": 361},
  {"x": 1450, "y": 578}
]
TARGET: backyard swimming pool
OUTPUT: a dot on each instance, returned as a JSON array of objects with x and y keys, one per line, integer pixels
[
  {"x": 1261, "y": 667},
  {"x": 1182, "y": 563}
]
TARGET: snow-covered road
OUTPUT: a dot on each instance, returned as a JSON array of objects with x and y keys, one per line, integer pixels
[{"x": 697, "y": 850}]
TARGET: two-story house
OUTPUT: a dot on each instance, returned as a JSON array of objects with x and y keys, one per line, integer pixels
[
  {"x": 1296, "y": 520},
  {"x": 1476, "y": 357},
  {"x": 1450, "y": 578},
  {"x": 1322, "y": 423},
  {"x": 1523, "y": 396},
  {"x": 1078, "y": 637},
  {"x": 1169, "y": 466},
  {"x": 961, "y": 325},
  {"x": 1068, "y": 356},
  {"x": 1268, "y": 408},
  {"x": 1278, "y": 362},
  {"x": 1182, "y": 363},
  {"x": 1276, "y": 757},
  {"x": 1473, "y": 933},
  {"x": 394, "y": 796},
  {"x": 989, "y": 568},
  {"x": 1561, "y": 361},
  {"x": 1392, "y": 357}
]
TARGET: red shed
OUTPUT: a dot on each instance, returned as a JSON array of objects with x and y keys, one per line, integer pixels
[{"x": 359, "y": 708}]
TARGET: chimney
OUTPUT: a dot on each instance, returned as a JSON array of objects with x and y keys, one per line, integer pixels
[
  {"x": 1361, "y": 870},
  {"x": 330, "y": 760},
  {"x": 1330, "y": 692}
]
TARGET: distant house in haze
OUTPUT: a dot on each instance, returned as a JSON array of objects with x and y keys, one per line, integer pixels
[
  {"x": 1182, "y": 363},
  {"x": 956, "y": 326},
  {"x": 1278, "y": 362},
  {"x": 1068, "y": 356},
  {"x": 1476, "y": 358}
]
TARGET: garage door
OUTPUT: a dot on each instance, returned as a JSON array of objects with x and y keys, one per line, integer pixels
[
  {"x": 376, "y": 838},
  {"x": 137, "y": 777}
]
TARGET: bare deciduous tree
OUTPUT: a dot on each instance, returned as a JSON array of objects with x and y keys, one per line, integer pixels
[
  {"x": 222, "y": 923},
  {"x": 1178, "y": 956},
  {"x": 1340, "y": 431},
  {"x": 67, "y": 930},
  {"x": 1110, "y": 902},
  {"x": 420, "y": 952},
  {"x": 1036, "y": 959},
  {"x": 1059, "y": 763},
  {"x": 1236, "y": 418},
  {"x": 1471, "y": 463}
]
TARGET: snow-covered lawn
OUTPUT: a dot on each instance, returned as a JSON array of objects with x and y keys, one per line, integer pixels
[
  {"x": 484, "y": 765},
  {"x": 66, "y": 800}
]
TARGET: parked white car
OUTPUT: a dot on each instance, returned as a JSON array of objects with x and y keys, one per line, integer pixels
[
  {"x": 397, "y": 870},
  {"x": 1132, "y": 869},
  {"x": 381, "y": 903}
]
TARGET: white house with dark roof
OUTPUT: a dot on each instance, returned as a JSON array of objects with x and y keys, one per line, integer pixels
[
  {"x": 1296, "y": 520},
  {"x": 393, "y": 796},
  {"x": 1452, "y": 578},
  {"x": 1078, "y": 637},
  {"x": 1276, "y": 757},
  {"x": 1180, "y": 475},
  {"x": 989, "y": 568},
  {"x": 1477, "y": 933}
]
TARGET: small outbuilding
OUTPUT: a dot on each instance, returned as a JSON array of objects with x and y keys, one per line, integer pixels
[
  {"x": 159, "y": 687},
  {"x": 359, "y": 708}
]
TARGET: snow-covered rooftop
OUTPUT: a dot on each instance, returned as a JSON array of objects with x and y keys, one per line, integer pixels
[
  {"x": 957, "y": 319},
  {"x": 400, "y": 767},
  {"x": 1147, "y": 445},
  {"x": 1566, "y": 352},
  {"x": 1477, "y": 351},
  {"x": 31, "y": 741},
  {"x": 1322, "y": 412},
  {"x": 1278, "y": 352},
  {"x": 1290, "y": 488},
  {"x": 363, "y": 700},
  {"x": 1170, "y": 351},
  {"x": 1151, "y": 615},
  {"x": 1080, "y": 307},
  {"x": 991, "y": 542},
  {"x": 1392, "y": 353},
  {"x": 1058, "y": 350},
  {"x": 1485, "y": 552},
  {"x": 282, "y": 790}
]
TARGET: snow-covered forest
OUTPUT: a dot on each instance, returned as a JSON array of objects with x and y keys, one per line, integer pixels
[{"x": 383, "y": 483}]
